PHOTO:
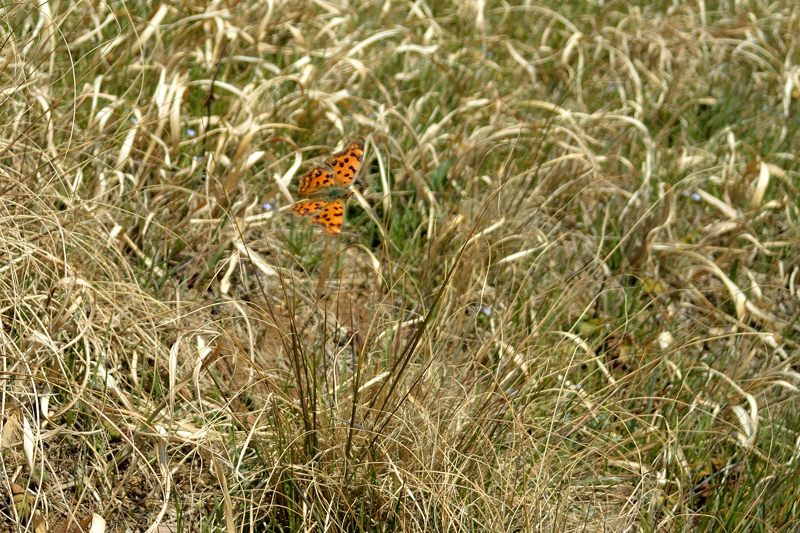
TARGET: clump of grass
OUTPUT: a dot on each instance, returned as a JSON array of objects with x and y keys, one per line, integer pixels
[{"x": 565, "y": 296}]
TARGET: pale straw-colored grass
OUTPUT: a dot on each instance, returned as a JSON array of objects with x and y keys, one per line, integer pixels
[{"x": 565, "y": 297}]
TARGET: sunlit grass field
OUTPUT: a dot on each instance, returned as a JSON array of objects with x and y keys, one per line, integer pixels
[{"x": 565, "y": 296}]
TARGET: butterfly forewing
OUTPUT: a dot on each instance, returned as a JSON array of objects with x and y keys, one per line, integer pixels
[
  {"x": 317, "y": 179},
  {"x": 347, "y": 163}
]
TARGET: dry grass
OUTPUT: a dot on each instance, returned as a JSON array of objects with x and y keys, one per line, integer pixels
[{"x": 566, "y": 296}]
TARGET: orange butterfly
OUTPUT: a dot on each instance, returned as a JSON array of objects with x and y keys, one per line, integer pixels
[{"x": 325, "y": 188}]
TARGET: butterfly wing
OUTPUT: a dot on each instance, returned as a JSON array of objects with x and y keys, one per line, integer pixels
[
  {"x": 316, "y": 179},
  {"x": 327, "y": 213},
  {"x": 345, "y": 164},
  {"x": 323, "y": 188}
]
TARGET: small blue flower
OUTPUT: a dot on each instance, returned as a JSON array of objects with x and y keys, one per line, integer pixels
[
  {"x": 486, "y": 310},
  {"x": 696, "y": 196},
  {"x": 267, "y": 206},
  {"x": 191, "y": 132}
]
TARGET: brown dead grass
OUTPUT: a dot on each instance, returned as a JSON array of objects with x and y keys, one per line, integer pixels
[{"x": 566, "y": 295}]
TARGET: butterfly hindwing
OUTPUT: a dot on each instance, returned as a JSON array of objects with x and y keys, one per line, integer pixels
[
  {"x": 327, "y": 213},
  {"x": 307, "y": 207},
  {"x": 346, "y": 163}
]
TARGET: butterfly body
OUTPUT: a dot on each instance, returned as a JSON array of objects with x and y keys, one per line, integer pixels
[{"x": 325, "y": 188}]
